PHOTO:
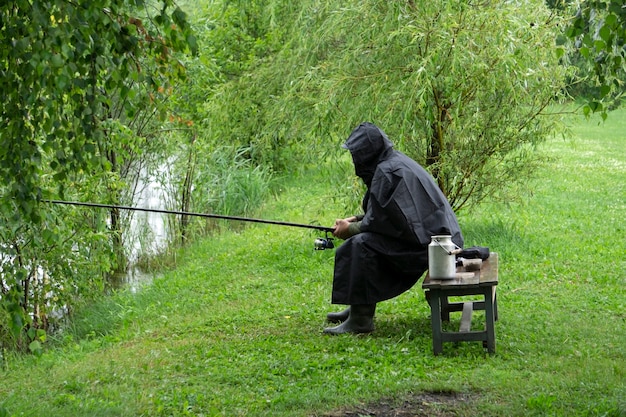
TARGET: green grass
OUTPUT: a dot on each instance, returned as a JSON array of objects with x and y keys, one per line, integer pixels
[{"x": 235, "y": 329}]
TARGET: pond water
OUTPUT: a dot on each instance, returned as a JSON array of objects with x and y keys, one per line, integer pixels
[{"x": 148, "y": 231}]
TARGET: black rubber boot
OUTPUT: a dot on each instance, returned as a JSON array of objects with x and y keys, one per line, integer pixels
[
  {"x": 360, "y": 320},
  {"x": 338, "y": 317}
]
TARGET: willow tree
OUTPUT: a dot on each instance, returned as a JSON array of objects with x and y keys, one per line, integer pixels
[{"x": 463, "y": 87}]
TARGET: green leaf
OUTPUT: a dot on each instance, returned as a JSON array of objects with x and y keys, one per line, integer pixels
[
  {"x": 561, "y": 40},
  {"x": 604, "y": 90},
  {"x": 180, "y": 18},
  {"x": 595, "y": 106},
  {"x": 610, "y": 20},
  {"x": 17, "y": 322},
  {"x": 56, "y": 60},
  {"x": 605, "y": 33},
  {"x": 35, "y": 347},
  {"x": 584, "y": 51},
  {"x": 560, "y": 51},
  {"x": 193, "y": 45},
  {"x": 49, "y": 237},
  {"x": 42, "y": 335},
  {"x": 599, "y": 45},
  {"x": 21, "y": 45}
]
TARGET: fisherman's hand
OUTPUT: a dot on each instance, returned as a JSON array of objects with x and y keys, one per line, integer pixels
[{"x": 342, "y": 228}]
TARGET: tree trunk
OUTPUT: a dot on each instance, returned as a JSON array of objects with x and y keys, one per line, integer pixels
[{"x": 436, "y": 142}]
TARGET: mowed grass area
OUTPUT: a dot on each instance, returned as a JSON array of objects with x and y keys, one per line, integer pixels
[{"x": 235, "y": 329}]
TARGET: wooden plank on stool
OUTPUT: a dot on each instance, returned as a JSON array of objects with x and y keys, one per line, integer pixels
[{"x": 466, "y": 317}]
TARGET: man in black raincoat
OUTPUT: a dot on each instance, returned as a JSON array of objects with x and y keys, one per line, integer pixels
[{"x": 386, "y": 249}]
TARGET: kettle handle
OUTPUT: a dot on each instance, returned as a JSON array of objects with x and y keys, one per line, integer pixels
[{"x": 453, "y": 251}]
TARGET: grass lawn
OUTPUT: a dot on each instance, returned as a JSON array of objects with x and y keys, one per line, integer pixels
[{"x": 235, "y": 329}]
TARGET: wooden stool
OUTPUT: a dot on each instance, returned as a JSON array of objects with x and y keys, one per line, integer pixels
[{"x": 481, "y": 282}]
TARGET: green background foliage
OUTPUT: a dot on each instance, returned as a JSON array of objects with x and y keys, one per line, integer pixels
[{"x": 462, "y": 89}]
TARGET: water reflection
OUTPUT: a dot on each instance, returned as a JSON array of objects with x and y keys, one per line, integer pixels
[
  {"x": 132, "y": 279},
  {"x": 148, "y": 231}
]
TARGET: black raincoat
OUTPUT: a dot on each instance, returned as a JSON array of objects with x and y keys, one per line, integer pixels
[{"x": 403, "y": 208}]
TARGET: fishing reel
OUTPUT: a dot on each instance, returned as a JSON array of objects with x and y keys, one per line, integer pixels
[{"x": 322, "y": 243}]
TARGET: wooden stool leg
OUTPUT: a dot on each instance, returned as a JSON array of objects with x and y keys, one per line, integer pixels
[
  {"x": 445, "y": 308},
  {"x": 435, "y": 319},
  {"x": 490, "y": 314},
  {"x": 495, "y": 303}
]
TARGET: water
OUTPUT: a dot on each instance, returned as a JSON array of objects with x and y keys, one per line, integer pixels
[{"x": 148, "y": 231}]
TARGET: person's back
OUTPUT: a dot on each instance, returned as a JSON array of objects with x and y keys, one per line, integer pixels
[{"x": 424, "y": 211}]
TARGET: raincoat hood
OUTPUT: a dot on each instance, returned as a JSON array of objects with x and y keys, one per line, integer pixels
[{"x": 367, "y": 143}]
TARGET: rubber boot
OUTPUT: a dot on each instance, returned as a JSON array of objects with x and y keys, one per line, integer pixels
[
  {"x": 338, "y": 317},
  {"x": 360, "y": 320}
]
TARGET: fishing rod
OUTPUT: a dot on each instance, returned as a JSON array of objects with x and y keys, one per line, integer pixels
[{"x": 320, "y": 244}]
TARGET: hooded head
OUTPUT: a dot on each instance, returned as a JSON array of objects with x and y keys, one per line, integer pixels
[{"x": 367, "y": 143}]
